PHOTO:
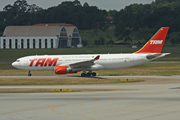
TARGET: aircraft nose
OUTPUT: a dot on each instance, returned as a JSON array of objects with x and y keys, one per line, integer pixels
[{"x": 13, "y": 64}]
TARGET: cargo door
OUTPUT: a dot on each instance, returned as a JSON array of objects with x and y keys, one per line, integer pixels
[{"x": 132, "y": 58}]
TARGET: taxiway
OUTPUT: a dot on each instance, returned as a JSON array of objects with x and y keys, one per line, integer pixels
[{"x": 135, "y": 101}]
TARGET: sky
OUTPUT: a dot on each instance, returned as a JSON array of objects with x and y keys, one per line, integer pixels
[{"x": 101, "y": 4}]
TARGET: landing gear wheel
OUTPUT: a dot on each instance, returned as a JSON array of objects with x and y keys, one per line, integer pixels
[
  {"x": 29, "y": 73},
  {"x": 93, "y": 74},
  {"x": 88, "y": 74},
  {"x": 83, "y": 75}
]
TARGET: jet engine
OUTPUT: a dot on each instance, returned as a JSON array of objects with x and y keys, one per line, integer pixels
[{"x": 63, "y": 70}]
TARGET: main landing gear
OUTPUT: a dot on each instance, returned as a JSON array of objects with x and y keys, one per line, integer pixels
[
  {"x": 29, "y": 73},
  {"x": 88, "y": 74}
]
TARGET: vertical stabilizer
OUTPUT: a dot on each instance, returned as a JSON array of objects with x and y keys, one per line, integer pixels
[{"x": 155, "y": 44}]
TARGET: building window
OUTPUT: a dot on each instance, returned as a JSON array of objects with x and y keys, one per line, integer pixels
[
  {"x": 45, "y": 43},
  {"x": 63, "y": 32},
  {"x": 34, "y": 43},
  {"x": 75, "y": 33},
  {"x": 4, "y": 43},
  {"x": 10, "y": 43},
  {"x": 51, "y": 43},
  {"x": 22, "y": 43},
  {"x": 28, "y": 43},
  {"x": 39, "y": 43},
  {"x": 16, "y": 43}
]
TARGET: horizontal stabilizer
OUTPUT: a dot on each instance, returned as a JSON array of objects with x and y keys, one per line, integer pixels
[{"x": 156, "y": 55}]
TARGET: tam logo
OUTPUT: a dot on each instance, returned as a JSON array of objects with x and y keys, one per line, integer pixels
[
  {"x": 43, "y": 62},
  {"x": 152, "y": 42}
]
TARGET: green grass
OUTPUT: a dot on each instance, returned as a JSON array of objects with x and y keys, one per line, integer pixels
[{"x": 60, "y": 81}]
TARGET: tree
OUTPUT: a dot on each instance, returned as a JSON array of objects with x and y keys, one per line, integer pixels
[
  {"x": 67, "y": 4},
  {"x": 128, "y": 38},
  {"x": 77, "y": 3},
  {"x": 97, "y": 42},
  {"x": 111, "y": 42},
  {"x": 8, "y": 8},
  {"x": 175, "y": 38},
  {"x": 21, "y": 6},
  {"x": 33, "y": 8},
  {"x": 85, "y": 4},
  {"x": 172, "y": 41},
  {"x": 102, "y": 41},
  {"x": 112, "y": 13},
  {"x": 84, "y": 43}
]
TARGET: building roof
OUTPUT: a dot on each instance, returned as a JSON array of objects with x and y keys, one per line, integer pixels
[
  {"x": 72, "y": 31},
  {"x": 32, "y": 31},
  {"x": 62, "y": 30}
]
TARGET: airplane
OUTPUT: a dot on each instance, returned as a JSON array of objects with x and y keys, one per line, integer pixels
[{"x": 68, "y": 64}]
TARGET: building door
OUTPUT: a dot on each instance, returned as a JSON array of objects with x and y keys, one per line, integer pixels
[
  {"x": 28, "y": 43},
  {"x": 22, "y": 43},
  {"x": 45, "y": 43},
  {"x": 34, "y": 43},
  {"x": 10, "y": 43},
  {"x": 4, "y": 44},
  {"x": 16, "y": 44}
]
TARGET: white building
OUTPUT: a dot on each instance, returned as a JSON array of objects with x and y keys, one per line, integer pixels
[{"x": 40, "y": 36}]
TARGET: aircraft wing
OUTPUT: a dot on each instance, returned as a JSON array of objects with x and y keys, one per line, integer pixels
[{"x": 85, "y": 64}]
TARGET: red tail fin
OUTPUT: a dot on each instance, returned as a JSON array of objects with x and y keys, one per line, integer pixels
[{"x": 155, "y": 44}]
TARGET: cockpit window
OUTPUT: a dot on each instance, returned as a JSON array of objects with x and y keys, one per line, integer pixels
[{"x": 17, "y": 60}]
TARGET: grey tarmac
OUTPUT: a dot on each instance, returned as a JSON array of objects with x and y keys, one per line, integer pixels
[{"x": 134, "y": 101}]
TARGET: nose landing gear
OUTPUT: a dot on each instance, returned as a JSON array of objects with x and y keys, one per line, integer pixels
[{"x": 29, "y": 73}]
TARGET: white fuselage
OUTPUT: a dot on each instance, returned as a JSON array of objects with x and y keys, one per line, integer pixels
[{"x": 106, "y": 61}]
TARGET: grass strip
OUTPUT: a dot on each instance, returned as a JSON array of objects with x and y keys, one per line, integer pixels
[{"x": 57, "y": 81}]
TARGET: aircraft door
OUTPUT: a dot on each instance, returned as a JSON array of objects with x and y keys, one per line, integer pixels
[{"x": 132, "y": 58}]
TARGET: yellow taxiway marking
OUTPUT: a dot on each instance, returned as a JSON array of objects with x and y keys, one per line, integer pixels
[
  {"x": 90, "y": 118},
  {"x": 65, "y": 114}
]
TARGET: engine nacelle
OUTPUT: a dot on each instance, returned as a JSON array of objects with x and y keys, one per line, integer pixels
[
  {"x": 62, "y": 70},
  {"x": 72, "y": 72}
]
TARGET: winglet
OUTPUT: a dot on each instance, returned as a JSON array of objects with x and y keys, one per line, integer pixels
[{"x": 97, "y": 57}]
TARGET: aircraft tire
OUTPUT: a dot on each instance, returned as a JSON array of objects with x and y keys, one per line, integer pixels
[
  {"x": 88, "y": 74},
  {"x": 93, "y": 74},
  {"x": 83, "y": 75}
]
